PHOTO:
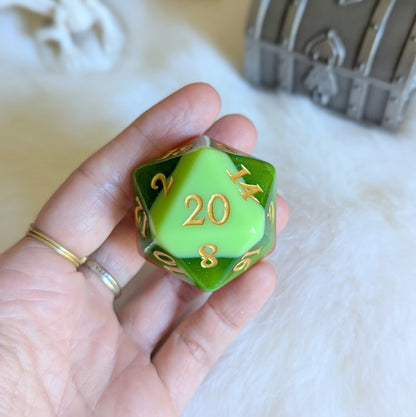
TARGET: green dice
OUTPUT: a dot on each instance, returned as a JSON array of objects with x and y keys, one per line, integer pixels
[{"x": 205, "y": 212}]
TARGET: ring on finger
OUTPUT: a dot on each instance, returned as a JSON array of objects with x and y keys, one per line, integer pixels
[
  {"x": 47, "y": 240},
  {"x": 105, "y": 276}
]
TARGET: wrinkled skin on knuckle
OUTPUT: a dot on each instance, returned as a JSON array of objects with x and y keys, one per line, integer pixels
[{"x": 196, "y": 347}]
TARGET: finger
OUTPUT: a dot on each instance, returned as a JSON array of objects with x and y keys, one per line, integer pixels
[
  {"x": 83, "y": 212},
  {"x": 194, "y": 346},
  {"x": 118, "y": 255},
  {"x": 119, "y": 251},
  {"x": 233, "y": 130},
  {"x": 282, "y": 214},
  {"x": 163, "y": 300}
]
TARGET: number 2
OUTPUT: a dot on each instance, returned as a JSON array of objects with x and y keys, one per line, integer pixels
[
  {"x": 162, "y": 178},
  {"x": 191, "y": 221}
]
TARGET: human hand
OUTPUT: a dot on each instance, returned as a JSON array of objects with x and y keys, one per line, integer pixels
[{"x": 63, "y": 349}]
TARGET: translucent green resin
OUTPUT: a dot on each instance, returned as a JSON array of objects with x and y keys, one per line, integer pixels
[{"x": 205, "y": 212}]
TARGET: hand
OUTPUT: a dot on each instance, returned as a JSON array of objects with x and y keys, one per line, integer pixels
[{"x": 63, "y": 349}]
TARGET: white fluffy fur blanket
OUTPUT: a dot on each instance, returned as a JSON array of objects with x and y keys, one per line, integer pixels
[{"x": 338, "y": 337}]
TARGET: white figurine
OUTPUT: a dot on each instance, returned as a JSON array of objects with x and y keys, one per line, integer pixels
[{"x": 70, "y": 20}]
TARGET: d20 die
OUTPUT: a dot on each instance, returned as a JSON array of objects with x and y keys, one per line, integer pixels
[{"x": 205, "y": 212}]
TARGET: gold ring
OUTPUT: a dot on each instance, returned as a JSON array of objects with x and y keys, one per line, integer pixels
[
  {"x": 105, "y": 276},
  {"x": 37, "y": 234}
]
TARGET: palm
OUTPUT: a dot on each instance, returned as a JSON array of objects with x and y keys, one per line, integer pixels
[
  {"x": 77, "y": 353},
  {"x": 63, "y": 349}
]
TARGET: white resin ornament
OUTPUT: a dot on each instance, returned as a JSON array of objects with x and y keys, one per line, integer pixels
[{"x": 85, "y": 32}]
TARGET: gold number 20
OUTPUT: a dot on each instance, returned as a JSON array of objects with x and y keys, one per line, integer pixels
[{"x": 192, "y": 221}]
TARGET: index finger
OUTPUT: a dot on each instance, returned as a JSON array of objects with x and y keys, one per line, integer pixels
[{"x": 93, "y": 200}]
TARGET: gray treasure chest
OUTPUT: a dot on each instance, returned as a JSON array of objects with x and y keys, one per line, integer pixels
[{"x": 357, "y": 57}]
